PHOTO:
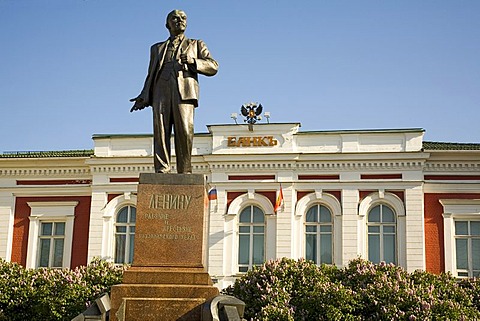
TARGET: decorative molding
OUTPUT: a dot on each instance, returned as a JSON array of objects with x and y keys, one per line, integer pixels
[
  {"x": 242, "y": 166},
  {"x": 241, "y": 201},
  {"x": 320, "y": 165},
  {"x": 381, "y": 193},
  {"x": 461, "y": 207},
  {"x": 318, "y": 198},
  {"x": 250, "y": 166},
  {"x": 452, "y": 167},
  {"x": 386, "y": 198},
  {"x": 51, "y": 209},
  {"x": 140, "y": 168},
  {"x": 370, "y": 165},
  {"x": 45, "y": 172},
  {"x": 122, "y": 169}
]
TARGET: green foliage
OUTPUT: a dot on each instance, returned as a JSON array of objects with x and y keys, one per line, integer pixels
[
  {"x": 53, "y": 294},
  {"x": 290, "y": 290}
]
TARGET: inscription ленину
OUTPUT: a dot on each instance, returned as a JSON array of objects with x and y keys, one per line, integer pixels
[{"x": 170, "y": 201}]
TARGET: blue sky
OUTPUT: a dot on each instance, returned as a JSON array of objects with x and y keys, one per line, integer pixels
[{"x": 69, "y": 67}]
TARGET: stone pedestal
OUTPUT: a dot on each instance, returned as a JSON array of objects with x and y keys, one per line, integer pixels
[{"x": 168, "y": 278}]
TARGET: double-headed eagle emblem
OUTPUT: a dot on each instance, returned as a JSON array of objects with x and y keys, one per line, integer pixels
[{"x": 251, "y": 112}]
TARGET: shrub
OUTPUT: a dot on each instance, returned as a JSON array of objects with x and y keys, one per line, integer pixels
[
  {"x": 286, "y": 289},
  {"x": 300, "y": 290},
  {"x": 16, "y": 291},
  {"x": 472, "y": 286},
  {"x": 53, "y": 294}
]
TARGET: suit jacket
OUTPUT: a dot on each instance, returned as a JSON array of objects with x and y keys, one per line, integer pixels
[{"x": 187, "y": 81}]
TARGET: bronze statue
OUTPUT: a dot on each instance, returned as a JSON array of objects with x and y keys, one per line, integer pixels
[{"x": 171, "y": 88}]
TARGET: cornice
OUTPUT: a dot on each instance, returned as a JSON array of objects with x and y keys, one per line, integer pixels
[
  {"x": 140, "y": 168},
  {"x": 46, "y": 172},
  {"x": 362, "y": 165},
  {"x": 452, "y": 167},
  {"x": 64, "y": 190},
  {"x": 242, "y": 166},
  {"x": 319, "y": 166}
]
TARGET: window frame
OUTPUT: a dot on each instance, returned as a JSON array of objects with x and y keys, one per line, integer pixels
[
  {"x": 303, "y": 205},
  {"x": 52, "y": 237},
  {"x": 231, "y": 229},
  {"x": 398, "y": 207},
  {"x": 61, "y": 211},
  {"x": 381, "y": 232},
  {"x": 318, "y": 233},
  {"x": 128, "y": 234},
  {"x": 455, "y": 210},
  {"x": 469, "y": 237},
  {"x": 252, "y": 224},
  {"x": 109, "y": 217}
]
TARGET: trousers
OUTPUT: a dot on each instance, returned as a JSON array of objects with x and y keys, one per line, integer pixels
[{"x": 170, "y": 113}]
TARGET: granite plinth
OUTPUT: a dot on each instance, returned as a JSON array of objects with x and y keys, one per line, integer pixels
[
  {"x": 159, "y": 309},
  {"x": 168, "y": 278},
  {"x": 143, "y": 275},
  {"x": 165, "y": 291}
]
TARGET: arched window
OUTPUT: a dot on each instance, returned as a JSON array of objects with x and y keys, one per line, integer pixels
[
  {"x": 251, "y": 238},
  {"x": 125, "y": 234},
  {"x": 382, "y": 226},
  {"x": 318, "y": 235}
]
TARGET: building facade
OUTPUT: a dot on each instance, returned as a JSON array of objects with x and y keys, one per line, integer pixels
[{"x": 384, "y": 195}]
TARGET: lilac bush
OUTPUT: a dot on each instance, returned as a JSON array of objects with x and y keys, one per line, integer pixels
[
  {"x": 388, "y": 292},
  {"x": 16, "y": 291},
  {"x": 286, "y": 289},
  {"x": 53, "y": 294},
  {"x": 473, "y": 287}
]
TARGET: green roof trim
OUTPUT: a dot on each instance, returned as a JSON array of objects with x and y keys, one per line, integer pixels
[
  {"x": 450, "y": 146},
  {"x": 364, "y": 131},
  {"x": 107, "y": 136},
  {"x": 46, "y": 154}
]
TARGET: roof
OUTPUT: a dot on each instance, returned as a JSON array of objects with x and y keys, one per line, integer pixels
[
  {"x": 46, "y": 154},
  {"x": 450, "y": 146}
]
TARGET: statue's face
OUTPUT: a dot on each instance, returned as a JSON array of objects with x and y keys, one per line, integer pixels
[{"x": 177, "y": 22}]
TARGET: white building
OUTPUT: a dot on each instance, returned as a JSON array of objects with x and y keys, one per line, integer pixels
[{"x": 385, "y": 195}]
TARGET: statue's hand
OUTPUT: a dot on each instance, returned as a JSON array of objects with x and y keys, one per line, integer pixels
[
  {"x": 186, "y": 59},
  {"x": 139, "y": 104}
]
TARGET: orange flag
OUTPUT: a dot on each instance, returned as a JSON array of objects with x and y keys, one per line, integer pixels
[{"x": 279, "y": 201}]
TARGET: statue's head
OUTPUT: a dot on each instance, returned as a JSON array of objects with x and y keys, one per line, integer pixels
[{"x": 176, "y": 22}]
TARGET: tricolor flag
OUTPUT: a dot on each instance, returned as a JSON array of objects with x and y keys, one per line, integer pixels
[
  {"x": 279, "y": 201},
  {"x": 212, "y": 194}
]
